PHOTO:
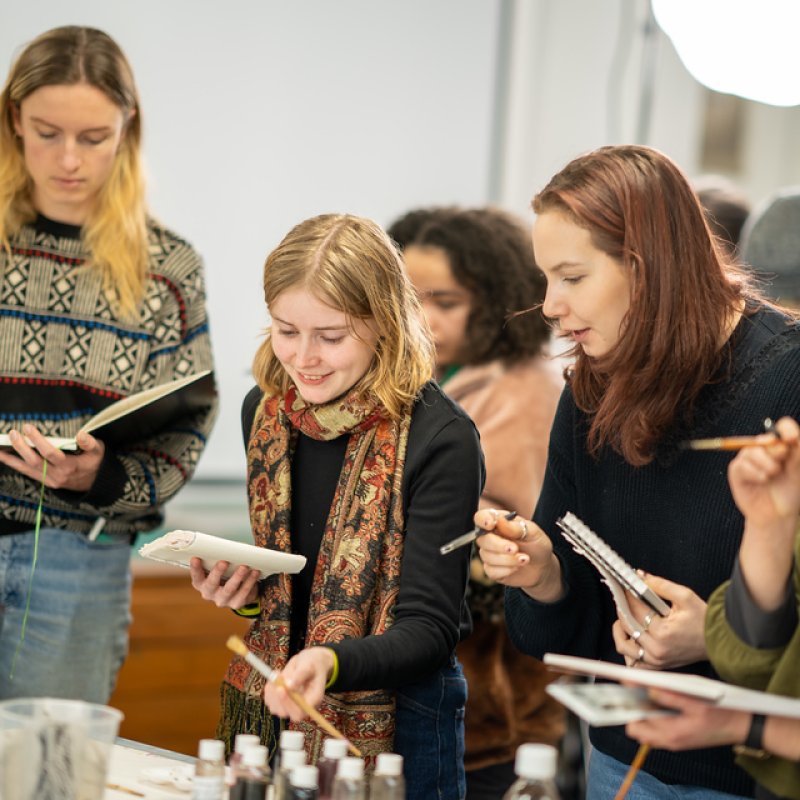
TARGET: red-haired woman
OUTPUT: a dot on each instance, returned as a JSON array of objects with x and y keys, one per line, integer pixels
[{"x": 671, "y": 343}]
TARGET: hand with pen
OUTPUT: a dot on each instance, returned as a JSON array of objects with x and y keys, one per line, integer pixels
[{"x": 517, "y": 552}]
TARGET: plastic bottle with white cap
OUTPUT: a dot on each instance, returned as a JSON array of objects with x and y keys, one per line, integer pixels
[
  {"x": 303, "y": 783},
  {"x": 536, "y": 766},
  {"x": 349, "y": 783},
  {"x": 387, "y": 782},
  {"x": 290, "y": 759},
  {"x": 209, "y": 771},
  {"x": 332, "y": 751},
  {"x": 252, "y": 777}
]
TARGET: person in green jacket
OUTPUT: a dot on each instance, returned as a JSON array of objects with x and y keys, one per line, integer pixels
[{"x": 752, "y": 630}]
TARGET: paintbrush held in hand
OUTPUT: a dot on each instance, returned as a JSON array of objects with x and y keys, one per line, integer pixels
[
  {"x": 736, "y": 442},
  {"x": 641, "y": 755},
  {"x": 274, "y": 676}
]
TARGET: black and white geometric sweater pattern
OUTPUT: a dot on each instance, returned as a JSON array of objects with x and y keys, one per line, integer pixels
[{"x": 65, "y": 354}]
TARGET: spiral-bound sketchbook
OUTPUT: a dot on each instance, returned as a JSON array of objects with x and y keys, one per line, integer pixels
[{"x": 608, "y": 562}]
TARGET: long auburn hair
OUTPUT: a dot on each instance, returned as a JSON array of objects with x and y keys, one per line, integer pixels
[
  {"x": 351, "y": 264},
  {"x": 640, "y": 209},
  {"x": 115, "y": 234}
]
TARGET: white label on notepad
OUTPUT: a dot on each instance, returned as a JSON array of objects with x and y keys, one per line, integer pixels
[{"x": 180, "y": 540}]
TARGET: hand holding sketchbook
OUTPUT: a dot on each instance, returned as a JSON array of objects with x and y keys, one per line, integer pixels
[
  {"x": 179, "y": 547},
  {"x": 143, "y": 414},
  {"x": 617, "y": 573},
  {"x": 627, "y": 705}
]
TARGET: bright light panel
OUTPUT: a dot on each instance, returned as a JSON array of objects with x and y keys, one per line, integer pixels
[{"x": 738, "y": 47}]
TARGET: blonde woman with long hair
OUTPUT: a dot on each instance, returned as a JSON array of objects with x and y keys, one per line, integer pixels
[
  {"x": 358, "y": 461},
  {"x": 97, "y": 302}
]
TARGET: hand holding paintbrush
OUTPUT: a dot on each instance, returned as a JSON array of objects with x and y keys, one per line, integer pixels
[
  {"x": 274, "y": 676},
  {"x": 771, "y": 436}
]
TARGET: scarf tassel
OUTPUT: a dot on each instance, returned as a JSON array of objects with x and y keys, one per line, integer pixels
[{"x": 243, "y": 713}]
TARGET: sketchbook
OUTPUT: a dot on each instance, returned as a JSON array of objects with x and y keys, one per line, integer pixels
[
  {"x": 179, "y": 547},
  {"x": 615, "y": 570},
  {"x": 724, "y": 695},
  {"x": 143, "y": 414},
  {"x": 603, "y": 704}
]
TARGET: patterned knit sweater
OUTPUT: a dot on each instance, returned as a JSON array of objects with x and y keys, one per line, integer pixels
[
  {"x": 65, "y": 355},
  {"x": 674, "y": 517}
]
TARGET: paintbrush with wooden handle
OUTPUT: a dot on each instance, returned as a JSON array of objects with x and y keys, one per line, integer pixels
[{"x": 274, "y": 676}]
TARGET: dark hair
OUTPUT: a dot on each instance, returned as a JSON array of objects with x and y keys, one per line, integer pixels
[
  {"x": 726, "y": 209},
  {"x": 490, "y": 254},
  {"x": 405, "y": 229},
  {"x": 640, "y": 209}
]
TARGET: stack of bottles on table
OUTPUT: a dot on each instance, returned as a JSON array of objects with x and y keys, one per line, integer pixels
[{"x": 335, "y": 777}]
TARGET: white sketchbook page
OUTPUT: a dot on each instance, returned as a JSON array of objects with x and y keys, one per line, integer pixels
[
  {"x": 179, "y": 547},
  {"x": 722, "y": 694},
  {"x": 120, "y": 409},
  {"x": 603, "y": 704},
  {"x": 56, "y": 441},
  {"x": 139, "y": 400}
]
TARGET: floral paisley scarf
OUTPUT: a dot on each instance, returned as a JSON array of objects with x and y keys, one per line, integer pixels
[{"x": 357, "y": 576}]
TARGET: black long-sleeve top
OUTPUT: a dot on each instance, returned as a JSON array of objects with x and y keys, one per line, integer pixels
[
  {"x": 674, "y": 517},
  {"x": 442, "y": 484}
]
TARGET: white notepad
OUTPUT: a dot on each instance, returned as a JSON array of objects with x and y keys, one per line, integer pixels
[
  {"x": 603, "y": 704},
  {"x": 179, "y": 547},
  {"x": 724, "y": 695}
]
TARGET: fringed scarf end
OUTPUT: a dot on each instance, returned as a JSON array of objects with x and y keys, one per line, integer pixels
[{"x": 243, "y": 713}]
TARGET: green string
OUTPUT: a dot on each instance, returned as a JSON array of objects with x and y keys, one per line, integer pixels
[{"x": 33, "y": 569}]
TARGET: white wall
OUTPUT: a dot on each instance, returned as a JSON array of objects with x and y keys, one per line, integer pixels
[
  {"x": 576, "y": 84},
  {"x": 577, "y": 79},
  {"x": 260, "y": 113}
]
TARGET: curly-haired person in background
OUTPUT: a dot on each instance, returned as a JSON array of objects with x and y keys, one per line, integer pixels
[{"x": 474, "y": 271}]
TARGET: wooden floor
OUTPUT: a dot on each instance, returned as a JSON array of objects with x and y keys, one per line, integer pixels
[{"x": 168, "y": 687}]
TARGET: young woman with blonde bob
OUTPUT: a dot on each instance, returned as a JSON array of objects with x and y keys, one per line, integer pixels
[
  {"x": 97, "y": 302},
  {"x": 359, "y": 462},
  {"x": 671, "y": 343}
]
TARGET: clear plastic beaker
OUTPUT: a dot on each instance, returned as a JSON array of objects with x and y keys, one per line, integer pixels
[{"x": 54, "y": 749}]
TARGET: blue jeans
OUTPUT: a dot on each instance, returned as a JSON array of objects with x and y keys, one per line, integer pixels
[
  {"x": 429, "y": 734},
  {"x": 76, "y": 636},
  {"x": 606, "y": 775}
]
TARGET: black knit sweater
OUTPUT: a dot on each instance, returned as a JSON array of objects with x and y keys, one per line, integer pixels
[{"x": 674, "y": 518}]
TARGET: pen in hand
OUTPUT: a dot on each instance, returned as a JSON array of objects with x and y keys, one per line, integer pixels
[{"x": 469, "y": 537}]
